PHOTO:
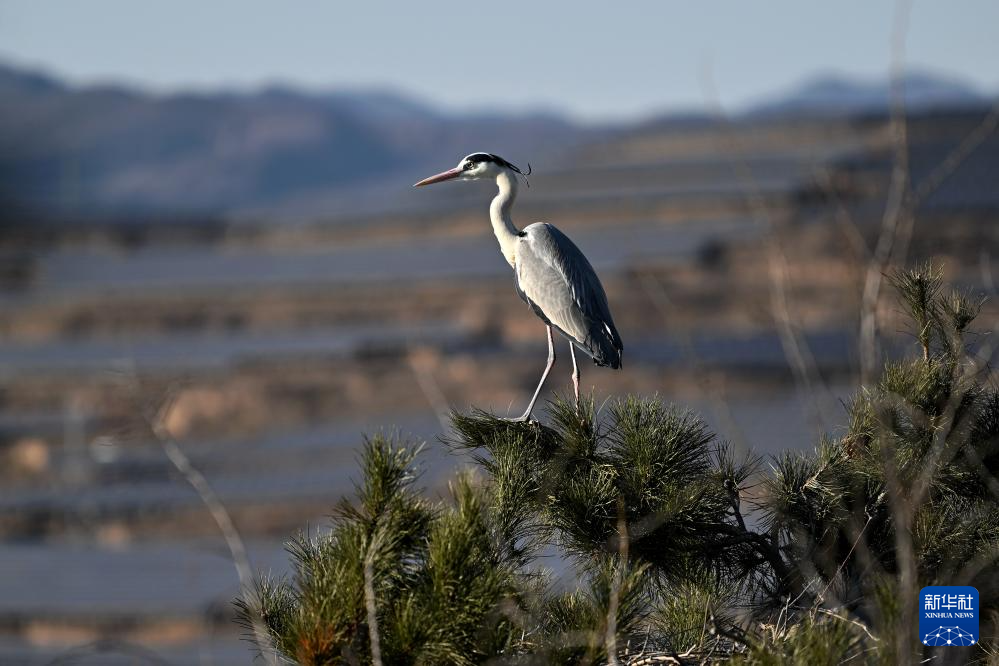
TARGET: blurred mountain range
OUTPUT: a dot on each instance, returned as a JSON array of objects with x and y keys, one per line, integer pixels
[
  {"x": 832, "y": 94},
  {"x": 111, "y": 151},
  {"x": 114, "y": 150}
]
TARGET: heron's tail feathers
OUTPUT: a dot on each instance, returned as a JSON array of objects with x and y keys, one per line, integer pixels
[{"x": 604, "y": 345}]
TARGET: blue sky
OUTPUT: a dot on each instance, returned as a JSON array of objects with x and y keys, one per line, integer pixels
[{"x": 595, "y": 60}]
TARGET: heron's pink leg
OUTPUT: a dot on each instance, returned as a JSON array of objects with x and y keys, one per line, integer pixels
[
  {"x": 548, "y": 368},
  {"x": 575, "y": 374}
]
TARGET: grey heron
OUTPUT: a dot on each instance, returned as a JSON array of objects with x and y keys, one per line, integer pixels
[{"x": 551, "y": 274}]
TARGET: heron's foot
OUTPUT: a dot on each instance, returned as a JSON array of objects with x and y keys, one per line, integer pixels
[{"x": 523, "y": 418}]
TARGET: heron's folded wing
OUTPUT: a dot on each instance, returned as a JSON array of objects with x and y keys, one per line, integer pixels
[{"x": 558, "y": 279}]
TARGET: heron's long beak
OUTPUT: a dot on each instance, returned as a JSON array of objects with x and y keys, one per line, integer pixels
[{"x": 446, "y": 175}]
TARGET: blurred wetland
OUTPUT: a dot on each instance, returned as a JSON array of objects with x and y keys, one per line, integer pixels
[{"x": 272, "y": 331}]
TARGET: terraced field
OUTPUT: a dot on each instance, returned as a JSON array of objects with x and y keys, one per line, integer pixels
[{"x": 278, "y": 344}]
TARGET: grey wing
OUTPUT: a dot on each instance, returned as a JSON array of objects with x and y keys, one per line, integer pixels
[{"x": 558, "y": 282}]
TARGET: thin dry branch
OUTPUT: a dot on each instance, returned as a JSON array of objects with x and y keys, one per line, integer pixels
[
  {"x": 661, "y": 301},
  {"x": 615, "y": 593},
  {"x": 895, "y": 208},
  {"x": 799, "y": 356},
  {"x": 137, "y": 654},
  {"x": 846, "y": 559},
  {"x": 856, "y": 623},
  {"x": 156, "y": 424},
  {"x": 369, "y": 598},
  {"x": 938, "y": 176},
  {"x": 956, "y": 157},
  {"x": 849, "y": 226},
  {"x": 895, "y": 204},
  {"x": 430, "y": 388},
  {"x": 985, "y": 267},
  {"x": 944, "y": 450}
]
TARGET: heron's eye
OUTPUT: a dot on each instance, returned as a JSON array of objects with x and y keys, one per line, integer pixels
[{"x": 469, "y": 165}]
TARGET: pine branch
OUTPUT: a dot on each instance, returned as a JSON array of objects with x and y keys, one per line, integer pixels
[{"x": 669, "y": 552}]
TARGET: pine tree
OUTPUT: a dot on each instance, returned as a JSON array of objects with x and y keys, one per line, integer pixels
[{"x": 684, "y": 551}]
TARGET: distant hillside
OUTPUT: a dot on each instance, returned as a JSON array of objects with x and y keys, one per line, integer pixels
[
  {"x": 70, "y": 152},
  {"x": 104, "y": 149},
  {"x": 832, "y": 94}
]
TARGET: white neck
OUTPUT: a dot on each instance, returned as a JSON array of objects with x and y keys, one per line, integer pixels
[{"x": 499, "y": 214}]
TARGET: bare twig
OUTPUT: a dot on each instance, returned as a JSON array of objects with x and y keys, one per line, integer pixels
[
  {"x": 974, "y": 567},
  {"x": 369, "y": 598},
  {"x": 660, "y": 299},
  {"x": 704, "y": 625},
  {"x": 957, "y": 156},
  {"x": 857, "y": 623},
  {"x": 842, "y": 216},
  {"x": 796, "y": 350},
  {"x": 430, "y": 388},
  {"x": 895, "y": 204},
  {"x": 896, "y": 207},
  {"x": 156, "y": 422},
  {"x": 985, "y": 267},
  {"x": 938, "y": 453},
  {"x": 938, "y": 176},
  {"x": 615, "y": 592},
  {"x": 136, "y": 653},
  {"x": 846, "y": 559}
]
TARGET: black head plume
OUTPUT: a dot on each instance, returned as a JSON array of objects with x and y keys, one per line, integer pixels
[{"x": 496, "y": 159}]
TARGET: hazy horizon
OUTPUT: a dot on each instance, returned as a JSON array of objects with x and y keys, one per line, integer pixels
[
  {"x": 412, "y": 96},
  {"x": 514, "y": 57}
]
